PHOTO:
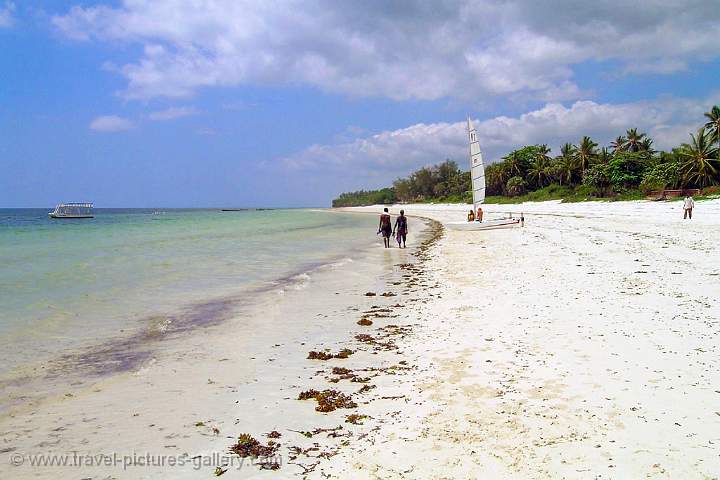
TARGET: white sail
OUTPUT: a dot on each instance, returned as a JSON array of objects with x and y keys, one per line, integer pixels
[{"x": 477, "y": 169}]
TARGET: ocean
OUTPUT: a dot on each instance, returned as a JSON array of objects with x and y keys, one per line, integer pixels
[{"x": 74, "y": 286}]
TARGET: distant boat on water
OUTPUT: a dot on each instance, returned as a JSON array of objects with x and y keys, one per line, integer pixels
[{"x": 72, "y": 210}]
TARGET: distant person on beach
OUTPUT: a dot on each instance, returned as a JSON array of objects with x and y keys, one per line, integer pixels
[
  {"x": 385, "y": 227},
  {"x": 522, "y": 219},
  {"x": 401, "y": 229},
  {"x": 471, "y": 216},
  {"x": 479, "y": 214},
  {"x": 688, "y": 205}
]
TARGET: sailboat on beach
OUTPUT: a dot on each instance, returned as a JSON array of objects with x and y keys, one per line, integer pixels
[{"x": 477, "y": 174}]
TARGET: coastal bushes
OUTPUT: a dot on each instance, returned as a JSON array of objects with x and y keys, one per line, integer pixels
[
  {"x": 365, "y": 197},
  {"x": 627, "y": 168}
]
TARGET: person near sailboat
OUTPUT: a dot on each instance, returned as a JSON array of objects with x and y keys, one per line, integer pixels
[
  {"x": 385, "y": 227},
  {"x": 401, "y": 229},
  {"x": 477, "y": 178}
]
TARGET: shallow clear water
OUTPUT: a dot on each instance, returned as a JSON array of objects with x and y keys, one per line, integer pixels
[{"x": 70, "y": 284}]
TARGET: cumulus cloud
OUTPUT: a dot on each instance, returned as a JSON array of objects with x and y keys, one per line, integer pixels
[
  {"x": 390, "y": 154},
  {"x": 7, "y": 12},
  {"x": 110, "y": 123},
  {"x": 466, "y": 49},
  {"x": 172, "y": 113}
]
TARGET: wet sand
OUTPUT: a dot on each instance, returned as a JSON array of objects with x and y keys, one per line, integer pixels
[{"x": 191, "y": 395}]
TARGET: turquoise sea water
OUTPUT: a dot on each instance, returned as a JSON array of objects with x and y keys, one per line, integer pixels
[{"x": 66, "y": 285}]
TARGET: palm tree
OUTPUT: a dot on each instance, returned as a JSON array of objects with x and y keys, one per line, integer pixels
[
  {"x": 513, "y": 164},
  {"x": 713, "y": 123},
  {"x": 565, "y": 164},
  {"x": 646, "y": 145},
  {"x": 604, "y": 156},
  {"x": 634, "y": 140},
  {"x": 494, "y": 178},
  {"x": 585, "y": 153},
  {"x": 618, "y": 145},
  {"x": 700, "y": 165},
  {"x": 567, "y": 150},
  {"x": 539, "y": 173}
]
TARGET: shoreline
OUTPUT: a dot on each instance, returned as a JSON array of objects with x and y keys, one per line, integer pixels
[
  {"x": 133, "y": 345},
  {"x": 583, "y": 345},
  {"x": 269, "y": 363}
]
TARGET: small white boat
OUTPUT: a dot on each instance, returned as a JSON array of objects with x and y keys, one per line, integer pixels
[
  {"x": 486, "y": 225},
  {"x": 72, "y": 210},
  {"x": 477, "y": 175}
]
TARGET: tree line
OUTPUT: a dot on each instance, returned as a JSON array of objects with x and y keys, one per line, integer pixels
[{"x": 629, "y": 163}]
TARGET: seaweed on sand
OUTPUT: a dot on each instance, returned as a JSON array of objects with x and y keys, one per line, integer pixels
[
  {"x": 309, "y": 434},
  {"x": 328, "y": 400},
  {"x": 344, "y": 353},
  {"x": 313, "y": 355},
  {"x": 269, "y": 465},
  {"x": 357, "y": 379},
  {"x": 378, "y": 345},
  {"x": 247, "y": 446},
  {"x": 355, "y": 418},
  {"x": 366, "y": 388},
  {"x": 364, "y": 337},
  {"x": 365, "y": 322},
  {"x": 273, "y": 434},
  {"x": 341, "y": 371}
]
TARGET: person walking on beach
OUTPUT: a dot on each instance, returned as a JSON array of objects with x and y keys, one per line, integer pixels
[
  {"x": 385, "y": 227},
  {"x": 688, "y": 205},
  {"x": 401, "y": 229},
  {"x": 471, "y": 216},
  {"x": 479, "y": 215}
]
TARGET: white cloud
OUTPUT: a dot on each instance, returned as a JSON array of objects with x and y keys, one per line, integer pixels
[
  {"x": 466, "y": 49},
  {"x": 110, "y": 123},
  {"x": 7, "y": 19},
  {"x": 172, "y": 113},
  {"x": 380, "y": 158}
]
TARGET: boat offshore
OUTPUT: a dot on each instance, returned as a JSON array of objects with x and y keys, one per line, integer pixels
[{"x": 72, "y": 210}]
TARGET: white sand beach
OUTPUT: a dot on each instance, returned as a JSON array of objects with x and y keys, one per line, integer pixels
[{"x": 582, "y": 346}]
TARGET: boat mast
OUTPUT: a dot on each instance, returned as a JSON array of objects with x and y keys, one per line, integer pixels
[{"x": 477, "y": 169}]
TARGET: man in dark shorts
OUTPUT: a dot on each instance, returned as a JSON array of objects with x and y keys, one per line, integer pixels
[
  {"x": 401, "y": 229},
  {"x": 385, "y": 227}
]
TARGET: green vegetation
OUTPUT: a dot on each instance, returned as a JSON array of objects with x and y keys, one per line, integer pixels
[
  {"x": 365, "y": 197},
  {"x": 626, "y": 170}
]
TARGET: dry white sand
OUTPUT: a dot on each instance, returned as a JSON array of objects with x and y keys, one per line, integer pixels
[{"x": 584, "y": 345}]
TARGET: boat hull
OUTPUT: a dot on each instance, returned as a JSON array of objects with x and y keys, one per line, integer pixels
[
  {"x": 487, "y": 225},
  {"x": 52, "y": 215}
]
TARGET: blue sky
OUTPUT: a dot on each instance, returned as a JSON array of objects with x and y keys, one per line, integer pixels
[{"x": 229, "y": 103}]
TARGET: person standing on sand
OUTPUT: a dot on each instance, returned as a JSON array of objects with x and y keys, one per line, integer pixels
[
  {"x": 471, "y": 216},
  {"x": 479, "y": 215},
  {"x": 401, "y": 228},
  {"x": 385, "y": 227},
  {"x": 688, "y": 205}
]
